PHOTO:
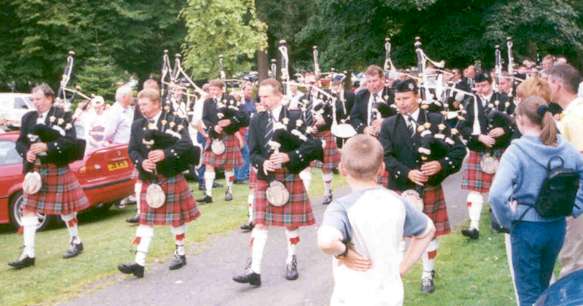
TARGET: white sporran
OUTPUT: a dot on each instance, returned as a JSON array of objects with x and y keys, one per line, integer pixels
[
  {"x": 414, "y": 198},
  {"x": 155, "y": 196},
  {"x": 32, "y": 183},
  {"x": 488, "y": 164},
  {"x": 277, "y": 195},
  {"x": 218, "y": 146}
]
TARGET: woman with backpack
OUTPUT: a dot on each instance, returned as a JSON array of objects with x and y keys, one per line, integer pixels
[{"x": 516, "y": 194}]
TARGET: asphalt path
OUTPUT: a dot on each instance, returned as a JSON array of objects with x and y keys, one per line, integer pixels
[{"x": 206, "y": 279}]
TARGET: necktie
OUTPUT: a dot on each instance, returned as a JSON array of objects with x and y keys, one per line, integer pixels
[
  {"x": 411, "y": 125},
  {"x": 308, "y": 114},
  {"x": 268, "y": 130}
]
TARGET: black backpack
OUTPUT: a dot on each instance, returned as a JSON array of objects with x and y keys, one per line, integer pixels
[{"x": 558, "y": 192}]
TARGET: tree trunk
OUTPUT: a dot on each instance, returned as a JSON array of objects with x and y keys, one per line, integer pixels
[{"x": 262, "y": 64}]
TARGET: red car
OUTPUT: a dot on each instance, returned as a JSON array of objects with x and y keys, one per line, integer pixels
[{"x": 105, "y": 175}]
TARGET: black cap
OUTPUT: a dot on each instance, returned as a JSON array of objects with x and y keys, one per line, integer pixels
[
  {"x": 483, "y": 76},
  {"x": 405, "y": 85}
]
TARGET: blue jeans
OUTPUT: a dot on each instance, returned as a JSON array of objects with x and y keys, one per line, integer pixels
[
  {"x": 242, "y": 173},
  {"x": 200, "y": 171},
  {"x": 535, "y": 247}
]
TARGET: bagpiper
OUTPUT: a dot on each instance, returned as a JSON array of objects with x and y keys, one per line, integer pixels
[
  {"x": 280, "y": 148},
  {"x": 48, "y": 144}
]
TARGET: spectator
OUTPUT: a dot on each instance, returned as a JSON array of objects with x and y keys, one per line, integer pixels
[
  {"x": 248, "y": 106},
  {"x": 95, "y": 126}
]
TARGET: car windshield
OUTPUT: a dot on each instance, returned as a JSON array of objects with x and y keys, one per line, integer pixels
[
  {"x": 8, "y": 154},
  {"x": 21, "y": 103}
]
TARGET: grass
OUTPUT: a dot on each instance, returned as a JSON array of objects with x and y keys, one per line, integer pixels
[
  {"x": 469, "y": 272},
  {"x": 107, "y": 239}
]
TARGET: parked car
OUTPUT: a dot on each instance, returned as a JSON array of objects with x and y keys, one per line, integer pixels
[
  {"x": 105, "y": 175},
  {"x": 12, "y": 107}
]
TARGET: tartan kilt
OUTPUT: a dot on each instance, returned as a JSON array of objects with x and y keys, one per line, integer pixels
[
  {"x": 60, "y": 193},
  {"x": 252, "y": 178},
  {"x": 473, "y": 178},
  {"x": 434, "y": 207},
  {"x": 179, "y": 208},
  {"x": 331, "y": 153},
  {"x": 383, "y": 179},
  {"x": 230, "y": 159},
  {"x": 297, "y": 212}
]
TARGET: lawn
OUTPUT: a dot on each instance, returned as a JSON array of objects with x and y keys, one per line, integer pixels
[{"x": 469, "y": 272}]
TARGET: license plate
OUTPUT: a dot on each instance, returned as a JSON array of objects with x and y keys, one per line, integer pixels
[{"x": 117, "y": 165}]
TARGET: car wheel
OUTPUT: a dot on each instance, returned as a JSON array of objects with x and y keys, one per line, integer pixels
[{"x": 16, "y": 213}]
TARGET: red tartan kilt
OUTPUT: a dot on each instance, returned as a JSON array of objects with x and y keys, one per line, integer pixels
[
  {"x": 434, "y": 207},
  {"x": 297, "y": 212},
  {"x": 383, "y": 179},
  {"x": 230, "y": 159},
  {"x": 331, "y": 153},
  {"x": 60, "y": 194},
  {"x": 473, "y": 178},
  {"x": 252, "y": 178},
  {"x": 179, "y": 208}
]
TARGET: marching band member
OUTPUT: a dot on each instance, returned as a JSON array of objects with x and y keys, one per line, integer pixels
[
  {"x": 221, "y": 129},
  {"x": 402, "y": 137},
  {"x": 160, "y": 163},
  {"x": 486, "y": 144},
  {"x": 277, "y": 177},
  {"x": 344, "y": 103},
  {"x": 60, "y": 192}
]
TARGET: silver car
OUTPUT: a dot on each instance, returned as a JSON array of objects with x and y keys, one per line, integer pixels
[{"x": 12, "y": 107}]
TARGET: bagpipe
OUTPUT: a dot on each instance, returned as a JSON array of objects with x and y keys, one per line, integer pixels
[
  {"x": 165, "y": 137},
  {"x": 66, "y": 94},
  {"x": 60, "y": 123}
]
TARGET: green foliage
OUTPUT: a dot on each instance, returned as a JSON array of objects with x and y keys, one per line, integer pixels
[
  {"x": 351, "y": 33},
  {"x": 99, "y": 75},
  {"x": 221, "y": 27}
]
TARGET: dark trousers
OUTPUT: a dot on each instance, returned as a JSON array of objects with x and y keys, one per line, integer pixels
[
  {"x": 242, "y": 173},
  {"x": 200, "y": 171},
  {"x": 535, "y": 247}
]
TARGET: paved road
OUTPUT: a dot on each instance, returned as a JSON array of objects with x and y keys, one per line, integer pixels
[{"x": 206, "y": 280}]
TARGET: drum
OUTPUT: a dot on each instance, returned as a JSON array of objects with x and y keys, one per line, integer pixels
[
  {"x": 343, "y": 130},
  {"x": 155, "y": 196},
  {"x": 277, "y": 195}
]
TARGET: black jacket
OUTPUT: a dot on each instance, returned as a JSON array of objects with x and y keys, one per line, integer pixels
[
  {"x": 359, "y": 112},
  {"x": 300, "y": 156},
  {"x": 401, "y": 155},
  {"x": 62, "y": 149},
  {"x": 179, "y": 153},
  {"x": 210, "y": 116}
]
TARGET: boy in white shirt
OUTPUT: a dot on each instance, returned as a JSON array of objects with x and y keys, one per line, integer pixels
[{"x": 364, "y": 229}]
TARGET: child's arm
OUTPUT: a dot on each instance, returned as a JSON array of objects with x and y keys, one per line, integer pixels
[
  {"x": 417, "y": 246},
  {"x": 330, "y": 242}
]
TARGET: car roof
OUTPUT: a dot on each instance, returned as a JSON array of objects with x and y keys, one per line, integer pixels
[
  {"x": 13, "y": 135},
  {"x": 13, "y": 94}
]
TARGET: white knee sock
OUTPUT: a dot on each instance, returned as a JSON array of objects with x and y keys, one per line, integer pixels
[
  {"x": 137, "y": 191},
  {"x": 258, "y": 241},
  {"x": 429, "y": 259},
  {"x": 250, "y": 199},
  {"x": 144, "y": 235},
  {"x": 306, "y": 176},
  {"x": 293, "y": 239},
  {"x": 209, "y": 179},
  {"x": 327, "y": 177},
  {"x": 71, "y": 222},
  {"x": 229, "y": 177},
  {"x": 179, "y": 233},
  {"x": 475, "y": 203},
  {"x": 29, "y": 231}
]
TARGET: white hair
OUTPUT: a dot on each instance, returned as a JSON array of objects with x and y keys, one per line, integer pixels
[{"x": 122, "y": 92}]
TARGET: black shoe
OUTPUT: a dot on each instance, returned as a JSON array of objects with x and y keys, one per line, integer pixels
[
  {"x": 206, "y": 200},
  {"x": 291, "y": 269},
  {"x": 241, "y": 182},
  {"x": 22, "y": 263},
  {"x": 228, "y": 196},
  {"x": 247, "y": 227},
  {"x": 74, "y": 250},
  {"x": 217, "y": 185},
  {"x": 132, "y": 268},
  {"x": 201, "y": 187},
  {"x": 177, "y": 262},
  {"x": 133, "y": 219},
  {"x": 427, "y": 285},
  {"x": 248, "y": 277},
  {"x": 327, "y": 199},
  {"x": 471, "y": 233}
]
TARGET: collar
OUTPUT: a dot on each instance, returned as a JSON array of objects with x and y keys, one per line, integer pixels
[
  {"x": 156, "y": 117},
  {"x": 276, "y": 112},
  {"x": 415, "y": 115},
  {"x": 486, "y": 99}
]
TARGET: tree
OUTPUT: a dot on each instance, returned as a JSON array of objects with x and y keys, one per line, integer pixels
[{"x": 221, "y": 27}]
